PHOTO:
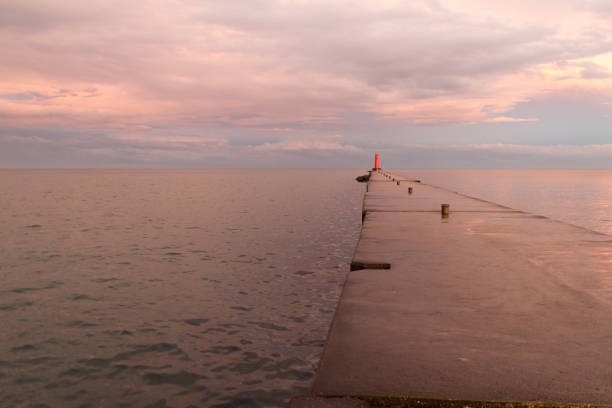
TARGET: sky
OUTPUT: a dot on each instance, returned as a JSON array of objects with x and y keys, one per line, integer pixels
[{"x": 278, "y": 83}]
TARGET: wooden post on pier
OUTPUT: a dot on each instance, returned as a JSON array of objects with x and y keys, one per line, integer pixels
[{"x": 444, "y": 209}]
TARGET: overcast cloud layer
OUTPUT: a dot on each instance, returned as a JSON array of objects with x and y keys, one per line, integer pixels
[{"x": 188, "y": 83}]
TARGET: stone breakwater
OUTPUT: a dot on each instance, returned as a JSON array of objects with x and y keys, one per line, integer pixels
[{"x": 467, "y": 302}]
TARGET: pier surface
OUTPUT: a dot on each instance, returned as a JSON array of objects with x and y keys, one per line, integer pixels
[{"x": 490, "y": 304}]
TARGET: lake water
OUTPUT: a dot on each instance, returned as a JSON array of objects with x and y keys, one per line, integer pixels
[
  {"x": 177, "y": 288},
  {"x": 135, "y": 288},
  {"x": 579, "y": 197}
]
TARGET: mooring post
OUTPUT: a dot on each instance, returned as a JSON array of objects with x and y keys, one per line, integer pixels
[
  {"x": 409, "y": 190},
  {"x": 444, "y": 209},
  {"x": 398, "y": 183}
]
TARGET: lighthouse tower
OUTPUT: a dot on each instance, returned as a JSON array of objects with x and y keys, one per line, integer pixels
[{"x": 376, "y": 162}]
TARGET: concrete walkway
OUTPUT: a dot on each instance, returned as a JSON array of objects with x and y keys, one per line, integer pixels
[{"x": 488, "y": 304}]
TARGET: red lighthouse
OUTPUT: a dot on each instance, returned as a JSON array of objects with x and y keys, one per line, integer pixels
[{"x": 376, "y": 162}]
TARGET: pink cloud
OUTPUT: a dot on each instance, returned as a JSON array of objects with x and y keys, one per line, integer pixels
[
  {"x": 506, "y": 119},
  {"x": 558, "y": 150},
  {"x": 289, "y": 69},
  {"x": 307, "y": 144}
]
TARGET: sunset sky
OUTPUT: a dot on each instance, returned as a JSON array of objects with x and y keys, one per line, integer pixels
[{"x": 189, "y": 83}]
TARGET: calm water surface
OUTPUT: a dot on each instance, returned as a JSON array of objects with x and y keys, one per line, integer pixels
[
  {"x": 169, "y": 288},
  {"x": 200, "y": 287},
  {"x": 579, "y": 197}
]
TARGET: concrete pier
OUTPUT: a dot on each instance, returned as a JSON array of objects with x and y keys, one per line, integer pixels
[{"x": 487, "y": 303}]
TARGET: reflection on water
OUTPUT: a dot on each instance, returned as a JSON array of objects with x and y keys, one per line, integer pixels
[
  {"x": 200, "y": 287},
  {"x": 580, "y": 197},
  {"x": 169, "y": 288}
]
